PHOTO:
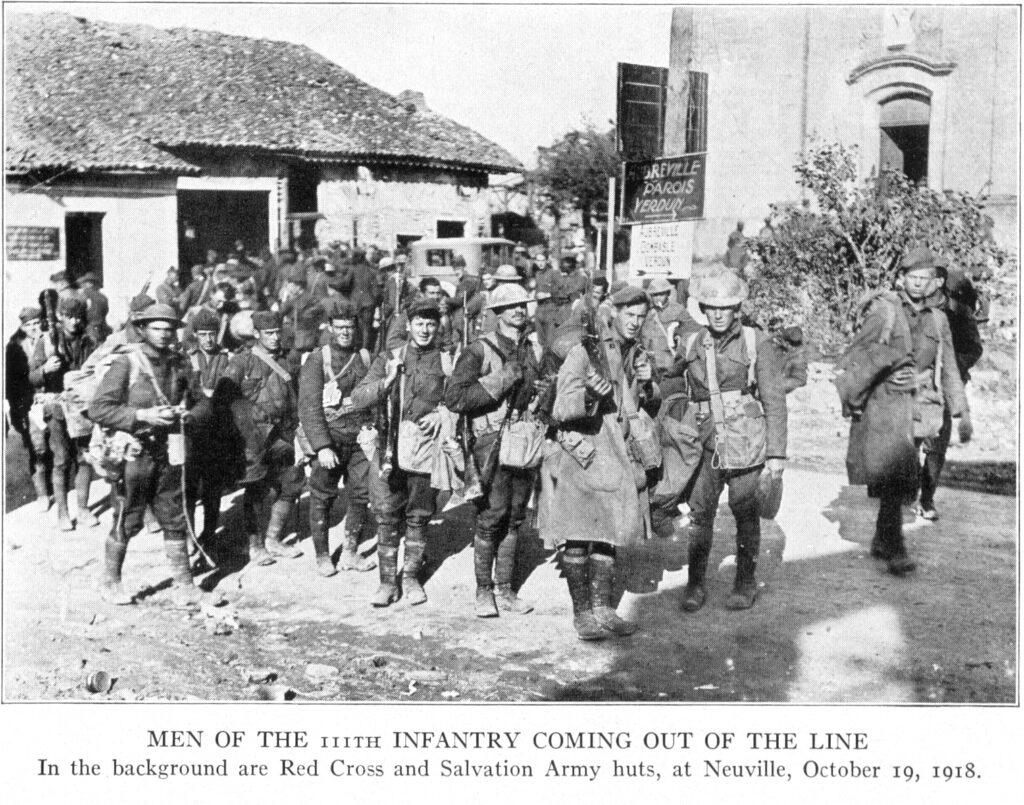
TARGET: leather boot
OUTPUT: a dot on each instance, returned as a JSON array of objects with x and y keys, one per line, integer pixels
[
  {"x": 111, "y": 590},
  {"x": 60, "y": 497},
  {"x": 504, "y": 567},
  {"x": 483, "y": 558},
  {"x": 83, "y": 480},
  {"x": 351, "y": 559},
  {"x": 748, "y": 545},
  {"x": 211, "y": 514},
  {"x": 889, "y": 530},
  {"x": 744, "y": 588},
  {"x": 415, "y": 550},
  {"x": 602, "y": 570},
  {"x": 258, "y": 552},
  {"x": 280, "y": 512},
  {"x": 250, "y": 522},
  {"x": 39, "y": 482},
  {"x": 387, "y": 561},
  {"x": 319, "y": 517},
  {"x": 700, "y": 548},
  {"x": 183, "y": 593},
  {"x": 577, "y": 577}
]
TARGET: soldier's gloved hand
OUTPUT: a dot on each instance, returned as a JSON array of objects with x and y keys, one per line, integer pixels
[
  {"x": 598, "y": 386},
  {"x": 327, "y": 457},
  {"x": 964, "y": 428}
]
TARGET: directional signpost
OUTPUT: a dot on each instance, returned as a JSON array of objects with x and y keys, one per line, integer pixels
[
  {"x": 666, "y": 189},
  {"x": 661, "y": 250},
  {"x": 661, "y": 198}
]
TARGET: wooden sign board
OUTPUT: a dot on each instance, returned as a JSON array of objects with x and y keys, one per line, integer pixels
[{"x": 657, "y": 191}]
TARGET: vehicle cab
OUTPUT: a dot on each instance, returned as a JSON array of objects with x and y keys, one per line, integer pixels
[{"x": 433, "y": 257}]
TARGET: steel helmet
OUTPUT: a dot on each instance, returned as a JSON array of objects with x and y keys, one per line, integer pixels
[
  {"x": 724, "y": 288},
  {"x": 507, "y": 295}
]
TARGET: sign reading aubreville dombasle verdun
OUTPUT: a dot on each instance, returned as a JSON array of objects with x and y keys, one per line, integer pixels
[{"x": 666, "y": 189}]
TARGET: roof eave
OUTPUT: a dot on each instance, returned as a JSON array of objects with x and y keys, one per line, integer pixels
[{"x": 350, "y": 157}]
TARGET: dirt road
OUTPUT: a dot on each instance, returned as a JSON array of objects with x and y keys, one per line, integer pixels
[{"x": 829, "y": 624}]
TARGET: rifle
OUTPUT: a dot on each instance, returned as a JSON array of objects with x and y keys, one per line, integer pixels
[
  {"x": 389, "y": 417},
  {"x": 592, "y": 336},
  {"x": 474, "y": 483}
]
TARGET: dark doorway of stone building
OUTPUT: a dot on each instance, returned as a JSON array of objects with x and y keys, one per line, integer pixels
[
  {"x": 83, "y": 238},
  {"x": 215, "y": 219}
]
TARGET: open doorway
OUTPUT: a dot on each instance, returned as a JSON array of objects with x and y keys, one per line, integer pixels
[
  {"x": 215, "y": 219},
  {"x": 83, "y": 237},
  {"x": 904, "y": 124}
]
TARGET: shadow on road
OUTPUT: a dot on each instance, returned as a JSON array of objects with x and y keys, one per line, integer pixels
[{"x": 829, "y": 625}]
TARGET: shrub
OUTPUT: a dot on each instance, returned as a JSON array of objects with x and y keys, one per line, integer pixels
[{"x": 848, "y": 237}]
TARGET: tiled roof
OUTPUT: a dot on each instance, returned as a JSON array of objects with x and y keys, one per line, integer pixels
[{"x": 88, "y": 95}]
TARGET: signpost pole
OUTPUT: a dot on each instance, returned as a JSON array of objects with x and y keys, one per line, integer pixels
[
  {"x": 610, "y": 258},
  {"x": 597, "y": 254}
]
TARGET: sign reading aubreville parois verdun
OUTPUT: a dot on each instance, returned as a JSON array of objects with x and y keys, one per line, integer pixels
[{"x": 667, "y": 189}]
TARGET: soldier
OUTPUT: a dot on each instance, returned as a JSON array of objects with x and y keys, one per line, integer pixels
[
  {"x": 56, "y": 354},
  {"x": 448, "y": 339},
  {"x": 467, "y": 304},
  {"x": 97, "y": 307},
  {"x": 552, "y": 300},
  {"x": 898, "y": 376},
  {"x": 726, "y": 368},
  {"x": 143, "y": 394},
  {"x": 667, "y": 321},
  {"x": 265, "y": 407},
  {"x": 302, "y": 315},
  {"x": 496, "y": 371},
  {"x": 331, "y": 427},
  {"x": 19, "y": 392},
  {"x": 209, "y": 467},
  {"x": 594, "y": 490},
  {"x": 959, "y": 300},
  {"x": 574, "y": 280},
  {"x": 404, "y": 495}
]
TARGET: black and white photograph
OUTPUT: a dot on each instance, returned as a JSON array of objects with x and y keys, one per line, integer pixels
[{"x": 507, "y": 354}]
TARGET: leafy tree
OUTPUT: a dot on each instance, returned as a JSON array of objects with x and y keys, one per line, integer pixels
[
  {"x": 573, "y": 173},
  {"x": 826, "y": 254}
]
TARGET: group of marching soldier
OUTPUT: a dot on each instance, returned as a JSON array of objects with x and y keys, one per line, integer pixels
[{"x": 605, "y": 407}]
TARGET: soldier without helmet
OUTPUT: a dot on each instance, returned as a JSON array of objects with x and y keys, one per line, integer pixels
[
  {"x": 47, "y": 370},
  {"x": 261, "y": 382},
  {"x": 405, "y": 498},
  {"x": 332, "y": 425}
]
